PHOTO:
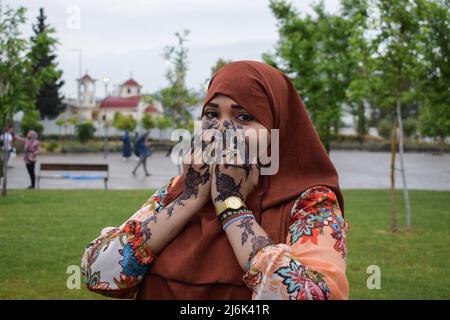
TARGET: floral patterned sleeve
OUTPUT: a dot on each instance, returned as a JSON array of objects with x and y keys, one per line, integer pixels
[
  {"x": 116, "y": 261},
  {"x": 311, "y": 264}
]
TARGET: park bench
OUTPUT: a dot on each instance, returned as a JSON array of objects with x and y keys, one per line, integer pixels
[{"x": 73, "y": 167}]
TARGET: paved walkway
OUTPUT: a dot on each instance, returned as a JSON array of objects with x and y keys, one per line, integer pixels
[
  {"x": 356, "y": 170},
  {"x": 371, "y": 170},
  {"x": 120, "y": 176}
]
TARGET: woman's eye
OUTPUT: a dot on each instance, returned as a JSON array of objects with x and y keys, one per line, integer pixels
[
  {"x": 244, "y": 117},
  {"x": 210, "y": 114}
]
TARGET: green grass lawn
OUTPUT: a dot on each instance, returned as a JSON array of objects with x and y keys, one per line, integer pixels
[{"x": 43, "y": 232}]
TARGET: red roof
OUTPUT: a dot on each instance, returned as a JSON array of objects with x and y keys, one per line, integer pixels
[
  {"x": 119, "y": 102},
  {"x": 150, "y": 108},
  {"x": 131, "y": 83}
]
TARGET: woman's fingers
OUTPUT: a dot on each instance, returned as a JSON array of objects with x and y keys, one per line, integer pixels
[{"x": 228, "y": 146}]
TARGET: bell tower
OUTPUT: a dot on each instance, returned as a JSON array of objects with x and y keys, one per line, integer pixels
[{"x": 86, "y": 91}]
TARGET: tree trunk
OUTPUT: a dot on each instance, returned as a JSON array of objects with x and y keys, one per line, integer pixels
[
  {"x": 393, "y": 194},
  {"x": 402, "y": 165},
  {"x": 441, "y": 144}
]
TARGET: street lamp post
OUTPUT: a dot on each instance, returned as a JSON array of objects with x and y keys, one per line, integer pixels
[
  {"x": 105, "y": 122},
  {"x": 105, "y": 140}
]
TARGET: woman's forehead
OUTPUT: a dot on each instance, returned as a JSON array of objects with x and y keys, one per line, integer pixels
[{"x": 219, "y": 97}]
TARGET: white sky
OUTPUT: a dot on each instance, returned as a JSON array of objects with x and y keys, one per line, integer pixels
[{"x": 123, "y": 37}]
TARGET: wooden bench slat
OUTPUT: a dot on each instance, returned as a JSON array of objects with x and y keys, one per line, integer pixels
[{"x": 73, "y": 166}]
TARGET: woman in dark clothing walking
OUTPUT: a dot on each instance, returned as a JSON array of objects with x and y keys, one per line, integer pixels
[
  {"x": 135, "y": 144},
  {"x": 126, "y": 148},
  {"x": 144, "y": 152},
  {"x": 32, "y": 149}
]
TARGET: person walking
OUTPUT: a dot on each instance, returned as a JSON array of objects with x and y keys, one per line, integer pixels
[
  {"x": 32, "y": 150},
  {"x": 143, "y": 148},
  {"x": 7, "y": 139},
  {"x": 135, "y": 146},
  {"x": 126, "y": 147}
]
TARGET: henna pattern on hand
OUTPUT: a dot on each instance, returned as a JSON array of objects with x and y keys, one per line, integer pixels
[
  {"x": 226, "y": 186},
  {"x": 210, "y": 124},
  {"x": 145, "y": 228},
  {"x": 236, "y": 142},
  {"x": 258, "y": 243},
  {"x": 192, "y": 182},
  {"x": 247, "y": 224}
]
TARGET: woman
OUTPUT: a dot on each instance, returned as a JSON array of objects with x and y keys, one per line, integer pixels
[
  {"x": 6, "y": 141},
  {"x": 126, "y": 147},
  {"x": 285, "y": 238},
  {"x": 144, "y": 152},
  {"x": 135, "y": 145},
  {"x": 32, "y": 150}
]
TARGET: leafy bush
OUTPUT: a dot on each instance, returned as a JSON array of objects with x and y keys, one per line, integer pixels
[
  {"x": 163, "y": 122},
  {"x": 85, "y": 131},
  {"x": 51, "y": 146},
  {"x": 410, "y": 126},
  {"x": 126, "y": 123},
  {"x": 148, "y": 122},
  {"x": 385, "y": 128}
]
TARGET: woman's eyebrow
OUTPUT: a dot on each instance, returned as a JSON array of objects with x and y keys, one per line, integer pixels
[
  {"x": 215, "y": 105},
  {"x": 211, "y": 104},
  {"x": 236, "y": 106}
]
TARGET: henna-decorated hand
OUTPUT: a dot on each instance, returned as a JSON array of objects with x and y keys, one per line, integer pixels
[
  {"x": 235, "y": 176},
  {"x": 197, "y": 176},
  {"x": 197, "y": 173}
]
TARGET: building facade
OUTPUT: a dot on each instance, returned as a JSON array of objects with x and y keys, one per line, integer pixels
[{"x": 128, "y": 100}]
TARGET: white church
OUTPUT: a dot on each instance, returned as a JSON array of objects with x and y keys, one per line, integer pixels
[{"x": 128, "y": 100}]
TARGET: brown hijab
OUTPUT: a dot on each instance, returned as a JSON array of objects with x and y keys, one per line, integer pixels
[{"x": 200, "y": 263}]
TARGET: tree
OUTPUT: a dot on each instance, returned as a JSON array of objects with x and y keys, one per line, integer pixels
[
  {"x": 397, "y": 51},
  {"x": 434, "y": 120},
  {"x": 49, "y": 101},
  {"x": 148, "y": 122},
  {"x": 356, "y": 12},
  {"x": 74, "y": 120},
  {"x": 216, "y": 67},
  {"x": 17, "y": 86},
  {"x": 410, "y": 127},
  {"x": 219, "y": 64},
  {"x": 312, "y": 51},
  {"x": 61, "y": 122},
  {"x": 176, "y": 98},
  {"x": 125, "y": 123},
  {"x": 162, "y": 123},
  {"x": 30, "y": 121},
  {"x": 85, "y": 131},
  {"x": 19, "y": 83},
  {"x": 385, "y": 128}
]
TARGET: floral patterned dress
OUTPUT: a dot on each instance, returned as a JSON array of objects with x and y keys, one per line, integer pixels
[{"x": 310, "y": 265}]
